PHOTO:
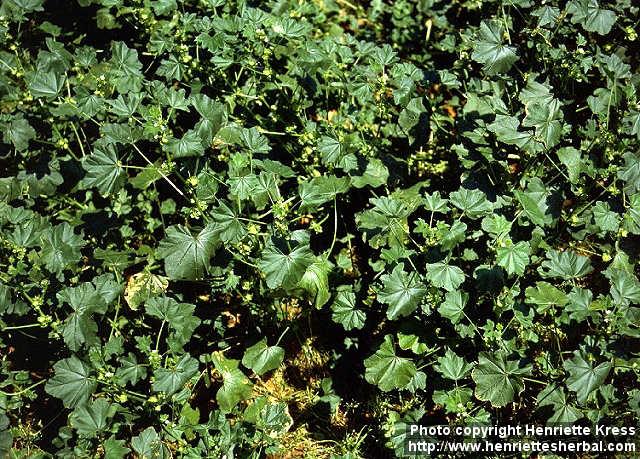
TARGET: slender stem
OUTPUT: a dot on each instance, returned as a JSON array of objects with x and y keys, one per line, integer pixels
[
  {"x": 506, "y": 24},
  {"x": 115, "y": 319},
  {"x": 18, "y": 327},
  {"x": 9, "y": 394},
  {"x": 125, "y": 166},
  {"x": 335, "y": 225},
  {"x": 173, "y": 185},
  {"x": 160, "y": 334},
  {"x": 349, "y": 4},
  {"x": 5, "y": 64},
  {"x": 609, "y": 107},
  {"x": 556, "y": 166},
  {"x": 239, "y": 258},
  {"x": 72, "y": 154},
  {"x": 282, "y": 335},
  {"x": 626, "y": 367},
  {"x": 426, "y": 365},
  {"x": 473, "y": 325}
]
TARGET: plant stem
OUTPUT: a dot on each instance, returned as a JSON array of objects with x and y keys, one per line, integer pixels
[
  {"x": 159, "y": 335},
  {"x": 282, "y": 335},
  {"x": 173, "y": 185},
  {"x": 9, "y": 394},
  {"x": 335, "y": 226},
  {"x": 18, "y": 327}
]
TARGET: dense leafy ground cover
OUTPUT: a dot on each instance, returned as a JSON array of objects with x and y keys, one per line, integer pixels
[{"x": 288, "y": 228}]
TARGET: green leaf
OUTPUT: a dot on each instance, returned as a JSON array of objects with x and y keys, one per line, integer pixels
[
  {"x": 454, "y": 400},
  {"x": 401, "y": 291},
  {"x": 149, "y": 446},
  {"x": 345, "y": 313},
  {"x": 187, "y": 256},
  {"x": 46, "y": 84},
  {"x": 243, "y": 187},
  {"x": 452, "y": 366},
  {"x": 564, "y": 412},
  {"x": 171, "y": 380},
  {"x": 435, "y": 203},
  {"x": 419, "y": 381},
  {"x": 473, "y": 203},
  {"x": 572, "y": 160},
  {"x": 490, "y": 50},
  {"x": 536, "y": 92},
  {"x": 514, "y": 258},
  {"x": 126, "y": 106},
  {"x": 411, "y": 342},
  {"x": 108, "y": 287},
  {"x": 330, "y": 149},
  {"x": 387, "y": 220},
  {"x": 79, "y": 329},
  {"x": 114, "y": 449},
  {"x": 228, "y": 226},
  {"x": 275, "y": 418},
  {"x": 534, "y": 206},
  {"x": 171, "y": 68},
  {"x": 61, "y": 248},
  {"x": 632, "y": 216},
  {"x": 496, "y": 225},
  {"x": 209, "y": 109},
  {"x": 546, "y": 118},
  {"x": 142, "y": 286},
  {"x": 130, "y": 371},
  {"x": 92, "y": 418},
  {"x": 161, "y": 7},
  {"x": 547, "y": 15},
  {"x": 127, "y": 68},
  {"x": 6, "y": 303},
  {"x": 411, "y": 117},
  {"x": 265, "y": 190},
  {"x": 630, "y": 172},
  {"x": 506, "y": 130},
  {"x": 452, "y": 236},
  {"x": 580, "y": 303},
  {"x": 375, "y": 175},
  {"x": 179, "y": 316},
  {"x": 584, "y": 378},
  {"x": 453, "y": 306},
  {"x": 445, "y": 275},
  {"x": 104, "y": 170},
  {"x": 254, "y": 141},
  {"x": 607, "y": 220},
  {"x": 322, "y": 189},
  {"x": 188, "y": 145},
  {"x": 497, "y": 379},
  {"x": 566, "y": 265},
  {"x": 262, "y": 358},
  {"x": 72, "y": 382},
  {"x": 84, "y": 298},
  {"x": 19, "y": 132},
  {"x": 545, "y": 295},
  {"x": 235, "y": 385},
  {"x": 283, "y": 267},
  {"x": 592, "y": 18},
  {"x": 632, "y": 123},
  {"x": 120, "y": 133},
  {"x": 27, "y": 6},
  {"x": 388, "y": 371},
  {"x": 625, "y": 288},
  {"x": 315, "y": 281}
]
